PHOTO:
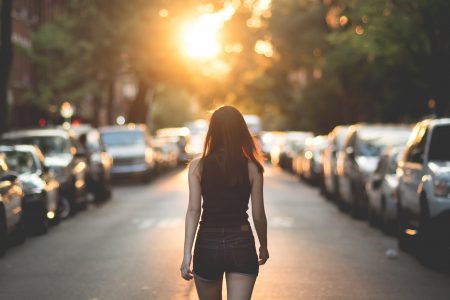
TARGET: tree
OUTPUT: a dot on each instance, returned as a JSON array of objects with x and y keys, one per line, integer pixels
[{"x": 6, "y": 55}]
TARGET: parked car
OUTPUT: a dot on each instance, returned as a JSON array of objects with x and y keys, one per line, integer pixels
[
  {"x": 99, "y": 162},
  {"x": 130, "y": 146},
  {"x": 166, "y": 154},
  {"x": 363, "y": 146},
  {"x": 330, "y": 154},
  {"x": 198, "y": 129},
  {"x": 182, "y": 137},
  {"x": 424, "y": 190},
  {"x": 382, "y": 191},
  {"x": 292, "y": 145},
  {"x": 11, "y": 219},
  {"x": 41, "y": 189},
  {"x": 271, "y": 143},
  {"x": 311, "y": 160},
  {"x": 64, "y": 157}
]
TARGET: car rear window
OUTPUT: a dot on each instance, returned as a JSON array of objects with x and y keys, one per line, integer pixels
[
  {"x": 123, "y": 138},
  {"x": 440, "y": 145},
  {"x": 372, "y": 140}
]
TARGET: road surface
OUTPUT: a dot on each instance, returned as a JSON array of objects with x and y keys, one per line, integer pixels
[{"x": 131, "y": 248}]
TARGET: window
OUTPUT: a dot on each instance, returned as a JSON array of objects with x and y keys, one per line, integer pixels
[
  {"x": 440, "y": 143},
  {"x": 417, "y": 149},
  {"x": 21, "y": 162}
]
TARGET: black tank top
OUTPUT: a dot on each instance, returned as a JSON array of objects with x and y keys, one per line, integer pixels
[{"x": 224, "y": 205}]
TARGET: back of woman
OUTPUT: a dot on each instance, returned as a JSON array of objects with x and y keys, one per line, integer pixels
[
  {"x": 224, "y": 203},
  {"x": 228, "y": 173}
]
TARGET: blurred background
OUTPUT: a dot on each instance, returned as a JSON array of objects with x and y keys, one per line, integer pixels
[
  {"x": 107, "y": 101},
  {"x": 305, "y": 64}
]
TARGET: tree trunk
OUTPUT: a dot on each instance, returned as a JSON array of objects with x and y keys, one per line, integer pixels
[
  {"x": 97, "y": 108},
  {"x": 110, "y": 102},
  {"x": 6, "y": 55},
  {"x": 139, "y": 107}
]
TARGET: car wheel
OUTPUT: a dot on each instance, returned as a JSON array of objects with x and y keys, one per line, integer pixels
[
  {"x": 433, "y": 242},
  {"x": 354, "y": 202},
  {"x": 42, "y": 222},
  {"x": 3, "y": 232},
  {"x": 405, "y": 241},
  {"x": 372, "y": 217},
  {"x": 64, "y": 208},
  {"x": 20, "y": 234}
]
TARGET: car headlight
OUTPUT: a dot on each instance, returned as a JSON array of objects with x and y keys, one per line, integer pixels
[{"x": 442, "y": 188}]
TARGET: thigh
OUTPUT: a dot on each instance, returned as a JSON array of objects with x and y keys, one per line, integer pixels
[
  {"x": 240, "y": 286},
  {"x": 208, "y": 289}
]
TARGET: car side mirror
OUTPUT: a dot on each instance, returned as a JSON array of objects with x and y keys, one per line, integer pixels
[
  {"x": 8, "y": 177},
  {"x": 80, "y": 153},
  {"x": 350, "y": 151},
  {"x": 376, "y": 182},
  {"x": 417, "y": 156}
]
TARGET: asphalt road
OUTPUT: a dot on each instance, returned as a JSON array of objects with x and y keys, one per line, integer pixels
[{"x": 131, "y": 248}]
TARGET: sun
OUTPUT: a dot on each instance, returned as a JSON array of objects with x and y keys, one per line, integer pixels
[{"x": 200, "y": 38}]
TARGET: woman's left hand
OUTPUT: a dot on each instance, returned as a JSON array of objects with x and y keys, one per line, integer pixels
[{"x": 185, "y": 268}]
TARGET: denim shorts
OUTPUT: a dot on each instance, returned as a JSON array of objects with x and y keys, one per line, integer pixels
[{"x": 224, "y": 249}]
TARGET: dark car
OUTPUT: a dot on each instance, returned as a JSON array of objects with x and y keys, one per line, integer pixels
[
  {"x": 64, "y": 157},
  {"x": 363, "y": 147},
  {"x": 41, "y": 189},
  {"x": 11, "y": 194},
  {"x": 99, "y": 162}
]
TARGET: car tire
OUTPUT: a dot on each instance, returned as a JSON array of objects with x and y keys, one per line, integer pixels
[
  {"x": 20, "y": 234},
  {"x": 3, "y": 232},
  {"x": 42, "y": 223},
  {"x": 371, "y": 216},
  {"x": 64, "y": 208},
  {"x": 405, "y": 242},
  {"x": 355, "y": 210}
]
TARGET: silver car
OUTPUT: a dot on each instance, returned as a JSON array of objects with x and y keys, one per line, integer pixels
[
  {"x": 130, "y": 146},
  {"x": 358, "y": 161},
  {"x": 337, "y": 138},
  {"x": 382, "y": 191},
  {"x": 424, "y": 190}
]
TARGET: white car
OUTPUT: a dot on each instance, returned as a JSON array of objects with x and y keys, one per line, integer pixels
[
  {"x": 424, "y": 190},
  {"x": 130, "y": 146}
]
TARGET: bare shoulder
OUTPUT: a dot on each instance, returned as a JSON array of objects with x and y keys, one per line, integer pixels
[
  {"x": 195, "y": 167},
  {"x": 253, "y": 171}
]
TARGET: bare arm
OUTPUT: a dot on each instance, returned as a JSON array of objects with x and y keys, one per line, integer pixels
[
  {"x": 258, "y": 211},
  {"x": 192, "y": 216}
]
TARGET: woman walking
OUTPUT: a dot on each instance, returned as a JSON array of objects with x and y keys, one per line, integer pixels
[{"x": 227, "y": 174}]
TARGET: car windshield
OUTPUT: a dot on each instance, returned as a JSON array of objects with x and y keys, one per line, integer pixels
[
  {"x": 439, "y": 146},
  {"x": 49, "y": 145},
  {"x": 372, "y": 141},
  {"x": 123, "y": 138},
  {"x": 21, "y": 162}
]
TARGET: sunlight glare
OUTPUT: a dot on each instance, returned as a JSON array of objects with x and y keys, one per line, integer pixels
[{"x": 200, "y": 38}]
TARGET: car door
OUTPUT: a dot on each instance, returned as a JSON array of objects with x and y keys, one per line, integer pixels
[
  {"x": 51, "y": 184},
  {"x": 11, "y": 196},
  {"x": 375, "y": 184},
  {"x": 79, "y": 166},
  {"x": 413, "y": 171}
]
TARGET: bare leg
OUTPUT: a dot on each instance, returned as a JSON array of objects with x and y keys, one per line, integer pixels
[
  {"x": 208, "y": 290},
  {"x": 240, "y": 286}
]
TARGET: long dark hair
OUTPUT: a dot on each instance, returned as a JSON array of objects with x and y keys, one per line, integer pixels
[{"x": 228, "y": 130}]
